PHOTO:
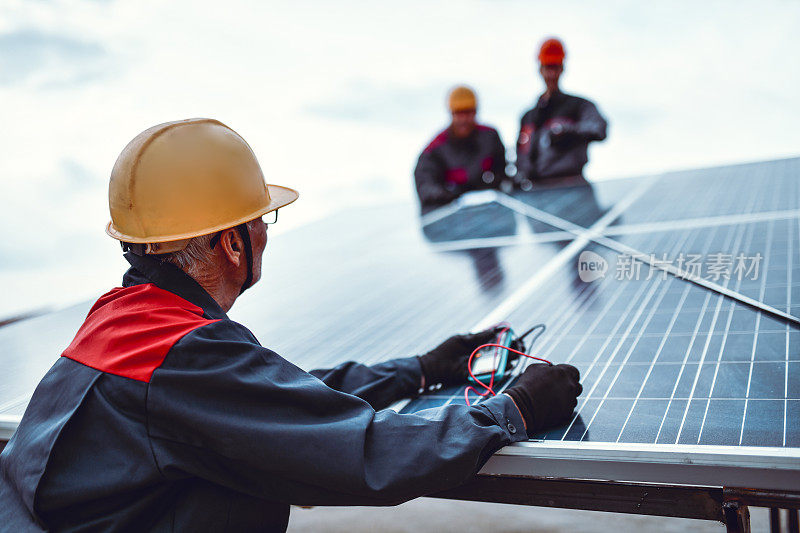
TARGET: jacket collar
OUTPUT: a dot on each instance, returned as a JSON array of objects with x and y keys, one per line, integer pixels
[
  {"x": 170, "y": 278},
  {"x": 555, "y": 99},
  {"x": 462, "y": 140}
]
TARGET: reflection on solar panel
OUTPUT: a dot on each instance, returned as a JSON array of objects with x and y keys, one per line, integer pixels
[{"x": 662, "y": 361}]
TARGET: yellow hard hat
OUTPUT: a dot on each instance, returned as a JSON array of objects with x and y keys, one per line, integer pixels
[
  {"x": 184, "y": 179},
  {"x": 462, "y": 98}
]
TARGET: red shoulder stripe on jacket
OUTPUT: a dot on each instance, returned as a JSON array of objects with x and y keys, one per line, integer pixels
[
  {"x": 437, "y": 141},
  {"x": 130, "y": 330}
]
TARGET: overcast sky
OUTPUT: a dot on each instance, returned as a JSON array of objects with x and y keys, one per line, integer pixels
[{"x": 338, "y": 98}]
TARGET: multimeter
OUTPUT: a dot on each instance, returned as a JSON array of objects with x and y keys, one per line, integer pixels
[
  {"x": 494, "y": 359},
  {"x": 497, "y": 361}
]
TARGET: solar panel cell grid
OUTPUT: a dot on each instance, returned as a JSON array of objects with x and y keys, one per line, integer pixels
[
  {"x": 664, "y": 361},
  {"x": 717, "y": 191}
]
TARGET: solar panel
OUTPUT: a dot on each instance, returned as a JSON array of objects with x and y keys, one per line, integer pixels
[
  {"x": 663, "y": 361},
  {"x": 669, "y": 369}
]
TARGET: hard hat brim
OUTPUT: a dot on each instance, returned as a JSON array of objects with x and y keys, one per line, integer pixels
[
  {"x": 279, "y": 195},
  {"x": 551, "y": 60}
]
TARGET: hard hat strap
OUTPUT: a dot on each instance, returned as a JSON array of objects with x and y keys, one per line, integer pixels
[
  {"x": 248, "y": 253},
  {"x": 135, "y": 248}
]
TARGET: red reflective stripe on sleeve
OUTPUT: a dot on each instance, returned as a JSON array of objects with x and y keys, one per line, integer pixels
[{"x": 130, "y": 330}]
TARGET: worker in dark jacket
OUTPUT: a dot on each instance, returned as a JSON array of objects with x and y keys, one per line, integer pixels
[
  {"x": 163, "y": 414},
  {"x": 554, "y": 135},
  {"x": 464, "y": 157}
]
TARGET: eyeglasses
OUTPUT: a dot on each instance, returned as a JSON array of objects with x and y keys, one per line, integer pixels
[{"x": 270, "y": 218}]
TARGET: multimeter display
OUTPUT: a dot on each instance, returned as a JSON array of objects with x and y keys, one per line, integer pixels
[
  {"x": 486, "y": 361},
  {"x": 492, "y": 358}
]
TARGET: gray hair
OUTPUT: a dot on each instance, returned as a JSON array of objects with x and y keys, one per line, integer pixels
[{"x": 192, "y": 258}]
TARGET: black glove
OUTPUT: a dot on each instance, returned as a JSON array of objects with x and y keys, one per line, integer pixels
[
  {"x": 546, "y": 395},
  {"x": 447, "y": 363}
]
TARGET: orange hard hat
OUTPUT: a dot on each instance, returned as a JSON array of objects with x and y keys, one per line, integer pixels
[{"x": 552, "y": 52}]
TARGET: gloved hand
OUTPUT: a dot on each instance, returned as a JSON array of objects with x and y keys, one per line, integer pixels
[
  {"x": 546, "y": 395},
  {"x": 447, "y": 363}
]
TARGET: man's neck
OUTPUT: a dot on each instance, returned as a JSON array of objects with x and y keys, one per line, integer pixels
[
  {"x": 461, "y": 137},
  {"x": 224, "y": 293},
  {"x": 550, "y": 93}
]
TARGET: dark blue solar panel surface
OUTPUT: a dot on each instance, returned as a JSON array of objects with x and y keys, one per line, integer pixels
[{"x": 662, "y": 360}]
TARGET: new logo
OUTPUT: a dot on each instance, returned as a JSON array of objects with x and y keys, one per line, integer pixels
[{"x": 591, "y": 266}]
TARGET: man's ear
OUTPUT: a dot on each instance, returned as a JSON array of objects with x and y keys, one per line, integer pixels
[{"x": 232, "y": 246}]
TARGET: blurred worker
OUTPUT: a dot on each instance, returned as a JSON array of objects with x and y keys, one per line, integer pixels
[
  {"x": 554, "y": 135},
  {"x": 163, "y": 414},
  {"x": 464, "y": 157}
]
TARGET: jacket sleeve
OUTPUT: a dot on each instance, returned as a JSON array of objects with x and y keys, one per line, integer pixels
[
  {"x": 380, "y": 385},
  {"x": 499, "y": 161},
  {"x": 591, "y": 126},
  {"x": 524, "y": 147},
  {"x": 429, "y": 178},
  {"x": 229, "y": 411}
]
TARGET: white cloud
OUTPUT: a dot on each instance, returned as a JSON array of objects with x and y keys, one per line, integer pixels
[{"x": 337, "y": 98}]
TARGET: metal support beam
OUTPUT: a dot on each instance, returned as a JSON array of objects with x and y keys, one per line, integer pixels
[
  {"x": 792, "y": 522},
  {"x": 727, "y": 505},
  {"x": 774, "y": 520},
  {"x": 777, "y": 499},
  {"x": 634, "y": 498},
  {"x": 737, "y": 517}
]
